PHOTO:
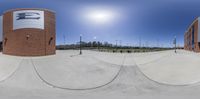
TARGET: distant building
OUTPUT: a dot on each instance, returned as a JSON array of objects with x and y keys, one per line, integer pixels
[
  {"x": 192, "y": 36},
  {"x": 28, "y": 32}
]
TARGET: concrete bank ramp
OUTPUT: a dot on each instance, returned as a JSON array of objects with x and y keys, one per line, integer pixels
[
  {"x": 108, "y": 57},
  {"x": 131, "y": 58},
  {"x": 145, "y": 58},
  {"x": 8, "y": 65},
  {"x": 71, "y": 71},
  {"x": 182, "y": 68},
  {"x": 24, "y": 78}
]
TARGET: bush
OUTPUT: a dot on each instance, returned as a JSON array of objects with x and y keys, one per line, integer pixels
[
  {"x": 129, "y": 51},
  {"x": 114, "y": 51}
]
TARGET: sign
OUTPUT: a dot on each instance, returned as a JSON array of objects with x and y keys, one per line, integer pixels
[
  {"x": 28, "y": 19},
  {"x": 1, "y": 28}
]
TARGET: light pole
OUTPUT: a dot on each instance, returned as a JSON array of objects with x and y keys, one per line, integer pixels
[
  {"x": 95, "y": 41},
  {"x": 120, "y": 43},
  {"x": 64, "y": 41},
  {"x": 140, "y": 42},
  {"x": 174, "y": 44},
  {"x": 127, "y": 45},
  {"x": 116, "y": 45},
  {"x": 80, "y": 44},
  {"x": 158, "y": 43},
  {"x": 98, "y": 45}
]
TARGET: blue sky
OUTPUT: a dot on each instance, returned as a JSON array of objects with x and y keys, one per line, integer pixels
[{"x": 155, "y": 22}]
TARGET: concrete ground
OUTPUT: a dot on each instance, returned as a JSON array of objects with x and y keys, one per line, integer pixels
[{"x": 97, "y": 75}]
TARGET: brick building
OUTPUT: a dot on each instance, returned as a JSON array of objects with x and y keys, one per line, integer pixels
[
  {"x": 1, "y": 32},
  {"x": 29, "y": 32},
  {"x": 192, "y": 36}
]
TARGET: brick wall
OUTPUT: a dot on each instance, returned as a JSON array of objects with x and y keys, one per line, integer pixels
[
  {"x": 188, "y": 38},
  {"x": 40, "y": 42}
]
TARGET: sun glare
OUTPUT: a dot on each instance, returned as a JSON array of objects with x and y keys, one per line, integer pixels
[{"x": 101, "y": 16}]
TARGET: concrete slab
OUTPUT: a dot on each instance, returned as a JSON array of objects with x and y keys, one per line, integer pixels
[
  {"x": 130, "y": 58},
  {"x": 146, "y": 58},
  {"x": 112, "y": 58},
  {"x": 24, "y": 78},
  {"x": 8, "y": 65},
  {"x": 142, "y": 74},
  {"x": 164, "y": 67},
  {"x": 181, "y": 68},
  {"x": 70, "y": 71}
]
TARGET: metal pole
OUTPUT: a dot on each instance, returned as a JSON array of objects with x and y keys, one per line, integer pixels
[
  {"x": 140, "y": 42},
  {"x": 175, "y": 47},
  {"x": 80, "y": 44},
  {"x": 116, "y": 42},
  {"x": 158, "y": 44},
  {"x": 175, "y": 44},
  {"x": 64, "y": 42},
  {"x": 120, "y": 42},
  {"x": 98, "y": 44},
  {"x": 116, "y": 45}
]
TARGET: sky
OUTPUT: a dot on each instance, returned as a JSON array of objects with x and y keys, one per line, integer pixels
[{"x": 131, "y": 22}]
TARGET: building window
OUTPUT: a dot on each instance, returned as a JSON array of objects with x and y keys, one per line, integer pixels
[{"x": 193, "y": 37}]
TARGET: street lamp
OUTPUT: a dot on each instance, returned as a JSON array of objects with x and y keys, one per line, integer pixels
[
  {"x": 174, "y": 43},
  {"x": 64, "y": 41},
  {"x": 80, "y": 44},
  {"x": 120, "y": 43},
  {"x": 95, "y": 41},
  {"x": 116, "y": 43},
  {"x": 140, "y": 42}
]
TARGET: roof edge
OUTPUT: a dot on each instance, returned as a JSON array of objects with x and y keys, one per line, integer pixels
[
  {"x": 16, "y": 9},
  {"x": 196, "y": 19}
]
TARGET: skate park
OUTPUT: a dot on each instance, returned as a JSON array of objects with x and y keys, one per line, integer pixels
[
  {"x": 78, "y": 50},
  {"x": 68, "y": 72}
]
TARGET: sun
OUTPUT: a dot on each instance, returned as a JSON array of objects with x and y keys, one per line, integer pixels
[{"x": 100, "y": 16}]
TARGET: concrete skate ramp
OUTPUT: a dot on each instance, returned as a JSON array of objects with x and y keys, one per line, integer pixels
[
  {"x": 145, "y": 58},
  {"x": 24, "y": 78},
  {"x": 131, "y": 58},
  {"x": 108, "y": 57},
  {"x": 182, "y": 68},
  {"x": 9, "y": 65},
  {"x": 67, "y": 70}
]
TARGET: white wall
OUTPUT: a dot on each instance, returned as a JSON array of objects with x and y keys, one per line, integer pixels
[{"x": 1, "y": 28}]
